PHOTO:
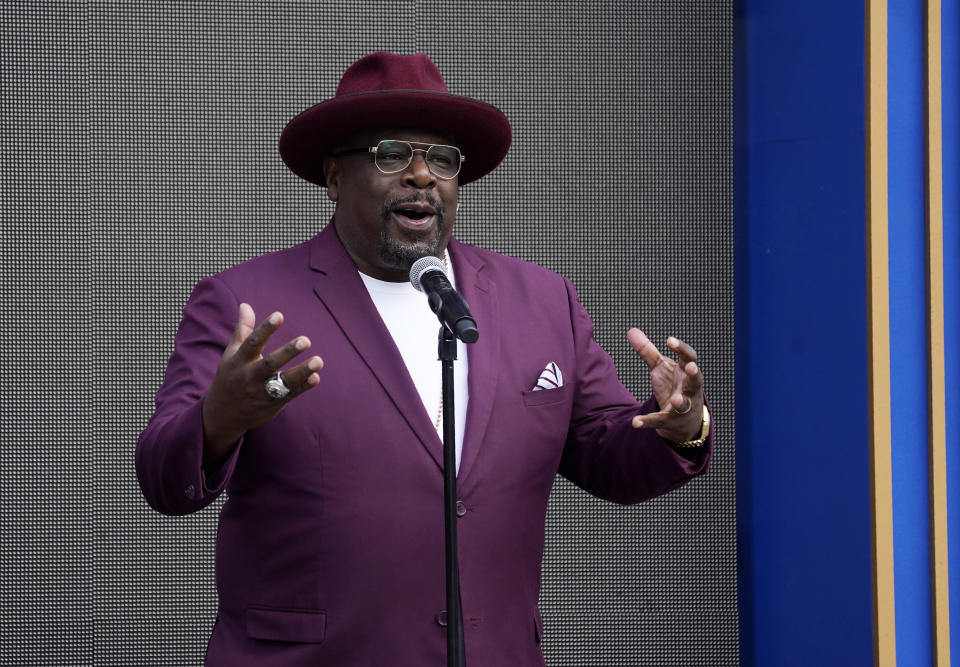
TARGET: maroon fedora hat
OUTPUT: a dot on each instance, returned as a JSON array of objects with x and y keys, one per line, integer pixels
[{"x": 388, "y": 90}]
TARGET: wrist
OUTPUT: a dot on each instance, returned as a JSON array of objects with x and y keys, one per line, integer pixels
[
  {"x": 217, "y": 441},
  {"x": 701, "y": 438}
]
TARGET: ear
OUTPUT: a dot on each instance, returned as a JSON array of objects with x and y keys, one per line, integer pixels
[{"x": 332, "y": 173}]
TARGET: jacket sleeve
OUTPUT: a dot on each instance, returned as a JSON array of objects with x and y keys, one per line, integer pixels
[
  {"x": 604, "y": 454},
  {"x": 169, "y": 456}
]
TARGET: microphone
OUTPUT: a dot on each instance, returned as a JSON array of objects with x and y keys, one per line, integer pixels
[{"x": 428, "y": 276}]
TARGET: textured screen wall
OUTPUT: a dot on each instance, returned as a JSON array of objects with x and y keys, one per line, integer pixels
[{"x": 139, "y": 154}]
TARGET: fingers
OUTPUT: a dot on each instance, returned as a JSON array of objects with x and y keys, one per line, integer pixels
[
  {"x": 252, "y": 346},
  {"x": 683, "y": 351},
  {"x": 277, "y": 359},
  {"x": 690, "y": 386},
  {"x": 643, "y": 347},
  {"x": 678, "y": 387},
  {"x": 672, "y": 422},
  {"x": 302, "y": 377},
  {"x": 299, "y": 378},
  {"x": 246, "y": 348},
  {"x": 245, "y": 322},
  {"x": 237, "y": 399},
  {"x": 651, "y": 355},
  {"x": 687, "y": 394},
  {"x": 681, "y": 403},
  {"x": 692, "y": 379}
]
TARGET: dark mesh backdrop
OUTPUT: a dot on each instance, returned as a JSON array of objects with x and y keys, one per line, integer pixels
[{"x": 139, "y": 154}]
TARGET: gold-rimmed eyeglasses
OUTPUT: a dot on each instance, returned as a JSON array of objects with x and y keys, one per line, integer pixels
[{"x": 391, "y": 156}]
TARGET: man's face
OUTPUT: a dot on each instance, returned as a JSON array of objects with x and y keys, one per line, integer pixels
[{"x": 388, "y": 221}]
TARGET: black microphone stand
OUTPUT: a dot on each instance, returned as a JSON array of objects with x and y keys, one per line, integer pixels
[{"x": 456, "y": 655}]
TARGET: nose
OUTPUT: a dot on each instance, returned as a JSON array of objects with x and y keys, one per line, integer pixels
[{"x": 418, "y": 174}]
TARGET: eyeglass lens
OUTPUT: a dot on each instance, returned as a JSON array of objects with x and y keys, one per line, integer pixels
[{"x": 393, "y": 156}]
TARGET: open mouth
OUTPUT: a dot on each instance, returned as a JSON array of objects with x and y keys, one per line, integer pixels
[{"x": 414, "y": 215}]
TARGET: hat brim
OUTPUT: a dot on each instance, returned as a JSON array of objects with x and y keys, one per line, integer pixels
[{"x": 482, "y": 131}]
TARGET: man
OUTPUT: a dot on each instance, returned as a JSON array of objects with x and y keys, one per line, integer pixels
[{"x": 330, "y": 546}]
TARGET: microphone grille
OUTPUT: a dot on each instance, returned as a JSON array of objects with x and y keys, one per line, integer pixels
[{"x": 423, "y": 266}]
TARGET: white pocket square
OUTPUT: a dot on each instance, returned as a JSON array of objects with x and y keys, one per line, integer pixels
[{"x": 550, "y": 378}]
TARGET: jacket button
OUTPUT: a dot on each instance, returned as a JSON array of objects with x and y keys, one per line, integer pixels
[
  {"x": 442, "y": 619},
  {"x": 461, "y": 508},
  {"x": 190, "y": 492}
]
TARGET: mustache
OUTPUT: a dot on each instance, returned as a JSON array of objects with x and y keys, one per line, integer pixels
[{"x": 414, "y": 198}]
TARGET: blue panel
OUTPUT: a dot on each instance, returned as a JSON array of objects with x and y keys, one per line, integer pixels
[
  {"x": 950, "y": 58},
  {"x": 908, "y": 332},
  {"x": 803, "y": 487}
]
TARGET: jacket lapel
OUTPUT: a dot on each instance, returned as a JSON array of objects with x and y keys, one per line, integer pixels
[
  {"x": 483, "y": 356},
  {"x": 337, "y": 283}
]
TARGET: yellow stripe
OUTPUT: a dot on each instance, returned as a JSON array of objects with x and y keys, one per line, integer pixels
[
  {"x": 936, "y": 372},
  {"x": 878, "y": 304}
]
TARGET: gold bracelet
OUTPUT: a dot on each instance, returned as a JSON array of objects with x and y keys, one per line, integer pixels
[{"x": 704, "y": 432}]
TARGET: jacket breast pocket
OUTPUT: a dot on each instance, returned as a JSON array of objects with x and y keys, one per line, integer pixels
[
  {"x": 304, "y": 626},
  {"x": 539, "y": 397}
]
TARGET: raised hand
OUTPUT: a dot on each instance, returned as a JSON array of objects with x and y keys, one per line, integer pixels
[
  {"x": 678, "y": 388},
  {"x": 237, "y": 399}
]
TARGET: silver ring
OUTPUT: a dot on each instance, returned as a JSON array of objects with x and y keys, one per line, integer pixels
[{"x": 276, "y": 387}]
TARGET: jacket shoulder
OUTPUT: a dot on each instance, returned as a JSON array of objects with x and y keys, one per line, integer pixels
[
  {"x": 493, "y": 265},
  {"x": 269, "y": 266}
]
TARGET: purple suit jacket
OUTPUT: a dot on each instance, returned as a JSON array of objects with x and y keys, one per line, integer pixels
[{"x": 330, "y": 544}]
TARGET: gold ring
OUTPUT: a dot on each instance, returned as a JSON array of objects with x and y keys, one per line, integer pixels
[{"x": 683, "y": 412}]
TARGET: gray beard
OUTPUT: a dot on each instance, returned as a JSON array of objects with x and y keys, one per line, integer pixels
[{"x": 400, "y": 255}]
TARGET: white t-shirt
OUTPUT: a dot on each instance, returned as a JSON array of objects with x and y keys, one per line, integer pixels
[{"x": 415, "y": 328}]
